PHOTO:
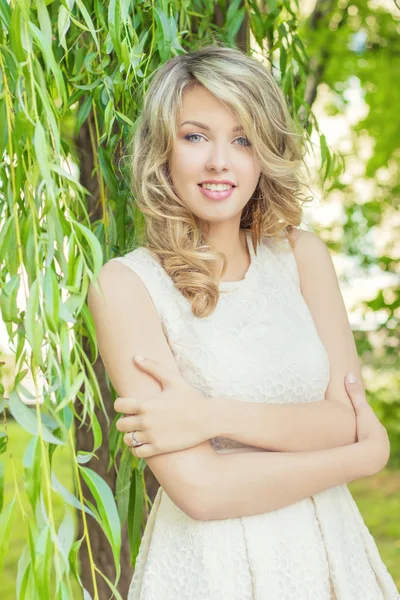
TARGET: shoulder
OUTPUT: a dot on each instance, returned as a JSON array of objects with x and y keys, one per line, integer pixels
[
  {"x": 137, "y": 261},
  {"x": 118, "y": 275},
  {"x": 309, "y": 250},
  {"x": 303, "y": 241},
  {"x": 127, "y": 283}
]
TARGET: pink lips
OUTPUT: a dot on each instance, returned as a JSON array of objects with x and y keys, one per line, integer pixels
[{"x": 216, "y": 195}]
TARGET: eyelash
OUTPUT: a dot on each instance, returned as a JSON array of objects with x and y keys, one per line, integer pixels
[{"x": 239, "y": 138}]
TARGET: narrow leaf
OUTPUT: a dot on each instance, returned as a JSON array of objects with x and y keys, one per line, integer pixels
[
  {"x": 26, "y": 417},
  {"x": 6, "y": 523}
]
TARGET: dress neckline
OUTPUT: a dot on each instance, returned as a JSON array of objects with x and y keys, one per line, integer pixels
[
  {"x": 249, "y": 275},
  {"x": 227, "y": 286}
]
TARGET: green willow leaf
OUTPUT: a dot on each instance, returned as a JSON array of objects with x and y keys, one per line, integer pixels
[
  {"x": 3, "y": 127},
  {"x": 124, "y": 118},
  {"x": 48, "y": 56},
  {"x": 108, "y": 172},
  {"x": 43, "y": 93},
  {"x": 84, "y": 457},
  {"x": 109, "y": 518},
  {"x": 68, "y": 496},
  {"x": 26, "y": 417},
  {"x": 116, "y": 593},
  {"x": 109, "y": 118},
  {"x": 63, "y": 25},
  {"x": 95, "y": 247},
  {"x": 32, "y": 469},
  {"x": 8, "y": 300},
  {"x": 97, "y": 433},
  {"x": 89, "y": 23},
  {"x": 5, "y": 14},
  {"x": 72, "y": 392},
  {"x": 123, "y": 485},
  {"x": 73, "y": 559},
  {"x": 65, "y": 534},
  {"x": 51, "y": 295},
  {"x": 6, "y": 523},
  {"x": 23, "y": 575},
  {"x": 43, "y": 562},
  {"x": 135, "y": 514},
  {"x": 114, "y": 26},
  {"x": 44, "y": 20},
  {"x": 62, "y": 592},
  {"x": 83, "y": 113},
  {"x": 90, "y": 326},
  {"x": 34, "y": 329},
  {"x": 6, "y": 231},
  {"x": 2, "y": 435},
  {"x": 41, "y": 150}
]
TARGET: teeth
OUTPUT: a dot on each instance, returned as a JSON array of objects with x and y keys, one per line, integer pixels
[{"x": 220, "y": 187}]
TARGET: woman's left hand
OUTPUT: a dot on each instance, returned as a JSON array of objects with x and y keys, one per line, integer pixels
[{"x": 174, "y": 419}]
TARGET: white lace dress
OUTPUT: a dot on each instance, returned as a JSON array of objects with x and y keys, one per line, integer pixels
[{"x": 259, "y": 345}]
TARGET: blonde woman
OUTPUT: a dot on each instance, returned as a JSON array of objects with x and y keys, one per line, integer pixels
[{"x": 240, "y": 408}]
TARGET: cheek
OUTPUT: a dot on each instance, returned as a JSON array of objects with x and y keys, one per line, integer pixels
[
  {"x": 249, "y": 173},
  {"x": 185, "y": 166},
  {"x": 179, "y": 157}
]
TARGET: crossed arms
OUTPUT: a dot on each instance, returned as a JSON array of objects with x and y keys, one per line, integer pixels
[{"x": 314, "y": 443}]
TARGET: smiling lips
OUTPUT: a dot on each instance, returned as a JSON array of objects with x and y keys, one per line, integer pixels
[
  {"x": 216, "y": 194},
  {"x": 216, "y": 182}
]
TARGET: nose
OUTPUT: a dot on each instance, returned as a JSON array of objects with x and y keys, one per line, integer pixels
[{"x": 218, "y": 157}]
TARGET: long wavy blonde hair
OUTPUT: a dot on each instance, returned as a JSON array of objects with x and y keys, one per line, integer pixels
[{"x": 173, "y": 234}]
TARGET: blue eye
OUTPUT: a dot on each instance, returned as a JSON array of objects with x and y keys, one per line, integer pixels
[
  {"x": 247, "y": 140},
  {"x": 190, "y": 135}
]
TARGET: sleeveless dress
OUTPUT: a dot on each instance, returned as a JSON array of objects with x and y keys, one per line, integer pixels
[{"x": 259, "y": 345}]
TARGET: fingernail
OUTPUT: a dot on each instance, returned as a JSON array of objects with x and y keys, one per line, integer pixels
[
  {"x": 137, "y": 357},
  {"x": 351, "y": 377}
]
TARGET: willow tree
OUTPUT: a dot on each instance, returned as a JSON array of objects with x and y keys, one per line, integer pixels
[{"x": 72, "y": 77}]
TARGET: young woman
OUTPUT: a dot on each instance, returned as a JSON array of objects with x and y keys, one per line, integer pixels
[{"x": 241, "y": 409}]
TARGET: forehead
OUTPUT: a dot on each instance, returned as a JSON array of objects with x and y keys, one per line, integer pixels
[{"x": 200, "y": 104}]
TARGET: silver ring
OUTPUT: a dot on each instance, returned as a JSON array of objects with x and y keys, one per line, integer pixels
[{"x": 135, "y": 442}]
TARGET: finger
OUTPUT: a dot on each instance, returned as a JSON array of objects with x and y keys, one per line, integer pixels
[
  {"x": 165, "y": 375},
  {"x": 131, "y": 423},
  {"x": 139, "y": 435},
  {"x": 144, "y": 451},
  {"x": 128, "y": 406},
  {"x": 355, "y": 393}
]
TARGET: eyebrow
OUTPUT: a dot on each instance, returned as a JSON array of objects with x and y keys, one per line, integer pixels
[{"x": 203, "y": 126}]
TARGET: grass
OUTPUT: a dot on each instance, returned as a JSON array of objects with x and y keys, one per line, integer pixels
[{"x": 378, "y": 499}]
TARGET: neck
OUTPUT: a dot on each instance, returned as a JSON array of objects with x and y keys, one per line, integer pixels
[{"x": 236, "y": 251}]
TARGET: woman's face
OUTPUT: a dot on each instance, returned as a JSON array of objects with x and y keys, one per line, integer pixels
[{"x": 218, "y": 153}]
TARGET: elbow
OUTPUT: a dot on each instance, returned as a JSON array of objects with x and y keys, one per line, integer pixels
[
  {"x": 196, "y": 504},
  {"x": 187, "y": 492}
]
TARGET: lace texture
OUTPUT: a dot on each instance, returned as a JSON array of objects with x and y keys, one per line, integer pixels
[{"x": 259, "y": 345}]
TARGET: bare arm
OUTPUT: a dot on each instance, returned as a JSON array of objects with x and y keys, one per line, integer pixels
[
  {"x": 126, "y": 324},
  {"x": 243, "y": 484},
  {"x": 199, "y": 481},
  {"x": 285, "y": 427},
  {"x": 307, "y": 426}
]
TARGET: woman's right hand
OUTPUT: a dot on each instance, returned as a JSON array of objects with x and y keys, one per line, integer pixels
[{"x": 371, "y": 434}]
